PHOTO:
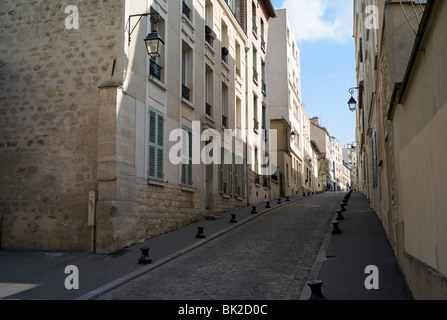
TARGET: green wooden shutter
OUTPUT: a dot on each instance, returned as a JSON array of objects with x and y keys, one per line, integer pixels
[
  {"x": 221, "y": 171},
  {"x": 156, "y": 145},
  {"x": 189, "y": 172},
  {"x": 187, "y": 157},
  {"x": 160, "y": 147}
]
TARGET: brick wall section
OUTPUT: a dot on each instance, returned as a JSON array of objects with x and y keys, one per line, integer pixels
[{"x": 49, "y": 78}]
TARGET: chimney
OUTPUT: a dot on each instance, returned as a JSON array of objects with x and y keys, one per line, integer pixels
[{"x": 315, "y": 121}]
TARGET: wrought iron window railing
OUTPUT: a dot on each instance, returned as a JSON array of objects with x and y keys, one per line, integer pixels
[
  {"x": 225, "y": 121},
  {"x": 186, "y": 93},
  {"x": 256, "y": 125},
  {"x": 257, "y": 179},
  {"x": 255, "y": 75},
  {"x": 186, "y": 10},
  {"x": 155, "y": 70},
  {"x": 209, "y": 110}
]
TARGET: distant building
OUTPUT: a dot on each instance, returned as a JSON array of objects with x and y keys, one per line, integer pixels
[
  {"x": 322, "y": 139},
  {"x": 288, "y": 117}
]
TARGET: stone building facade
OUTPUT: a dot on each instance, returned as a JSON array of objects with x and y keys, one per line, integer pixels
[
  {"x": 288, "y": 116},
  {"x": 401, "y": 107},
  {"x": 87, "y": 117}
]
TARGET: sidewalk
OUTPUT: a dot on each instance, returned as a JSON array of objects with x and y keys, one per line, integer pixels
[
  {"x": 27, "y": 275},
  {"x": 344, "y": 257}
]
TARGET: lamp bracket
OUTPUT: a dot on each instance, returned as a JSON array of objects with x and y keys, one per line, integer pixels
[{"x": 154, "y": 18}]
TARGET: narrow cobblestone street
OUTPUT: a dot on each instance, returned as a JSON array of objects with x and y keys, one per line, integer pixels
[{"x": 268, "y": 258}]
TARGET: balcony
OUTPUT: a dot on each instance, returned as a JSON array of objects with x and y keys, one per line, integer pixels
[
  {"x": 264, "y": 88},
  {"x": 255, "y": 76},
  {"x": 186, "y": 10},
  {"x": 225, "y": 54},
  {"x": 155, "y": 70},
  {"x": 255, "y": 125},
  {"x": 210, "y": 35},
  {"x": 255, "y": 29},
  {"x": 257, "y": 179},
  {"x": 262, "y": 44},
  {"x": 186, "y": 93},
  {"x": 209, "y": 110},
  {"x": 225, "y": 121}
]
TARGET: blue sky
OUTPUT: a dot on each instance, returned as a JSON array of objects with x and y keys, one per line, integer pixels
[{"x": 323, "y": 29}]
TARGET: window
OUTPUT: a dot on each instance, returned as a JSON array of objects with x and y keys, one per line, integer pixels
[
  {"x": 255, "y": 113},
  {"x": 225, "y": 42},
  {"x": 238, "y": 59},
  {"x": 157, "y": 64},
  {"x": 225, "y": 97},
  {"x": 187, "y": 157},
  {"x": 263, "y": 74},
  {"x": 221, "y": 172},
  {"x": 209, "y": 13},
  {"x": 256, "y": 168},
  {"x": 255, "y": 65},
  {"x": 209, "y": 23},
  {"x": 187, "y": 71},
  {"x": 238, "y": 113},
  {"x": 262, "y": 36},
  {"x": 253, "y": 13},
  {"x": 156, "y": 145},
  {"x": 209, "y": 91},
  {"x": 186, "y": 8},
  {"x": 264, "y": 121},
  {"x": 225, "y": 172}
]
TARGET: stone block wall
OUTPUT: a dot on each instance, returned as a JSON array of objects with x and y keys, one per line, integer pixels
[
  {"x": 49, "y": 78},
  {"x": 165, "y": 208}
]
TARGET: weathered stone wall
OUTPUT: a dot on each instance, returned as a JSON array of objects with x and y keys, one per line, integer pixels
[
  {"x": 49, "y": 78},
  {"x": 165, "y": 208}
]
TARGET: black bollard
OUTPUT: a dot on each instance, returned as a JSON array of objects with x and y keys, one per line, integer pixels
[
  {"x": 340, "y": 215},
  {"x": 233, "y": 218},
  {"x": 268, "y": 206},
  {"x": 287, "y": 199},
  {"x": 315, "y": 286},
  {"x": 279, "y": 201},
  {"x": 336, "y": 229},
  {"x": 342, "y": 206},
  {"x": 145, "y": 259},
  {"x": 304, "y": 194},
  {"x": 253, "y": 210},
  {"x": 200, "y": 234}
]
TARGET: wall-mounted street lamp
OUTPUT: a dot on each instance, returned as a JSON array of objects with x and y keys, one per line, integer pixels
[
  {"x": 154, "y": 43},
  {"x": 292, "y": 135},
  {"x": 352, "y": 103}
]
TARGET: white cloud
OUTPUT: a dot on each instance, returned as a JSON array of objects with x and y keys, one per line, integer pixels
[{"x": 320, "y": 19}]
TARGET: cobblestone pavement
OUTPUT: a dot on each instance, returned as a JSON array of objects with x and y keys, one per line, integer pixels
[{"x": 268, "y": 258}]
